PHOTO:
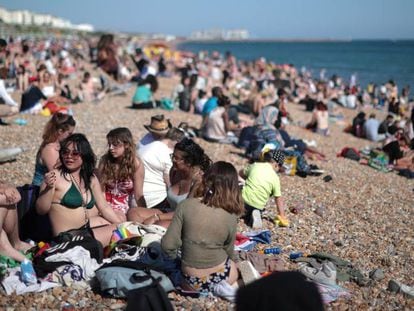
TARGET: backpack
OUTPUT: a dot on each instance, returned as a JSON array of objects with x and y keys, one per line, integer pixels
[
  {"x": 302, "y": 166},
  {"x": 289, "y": 165},
  {"x": 350, "y": 153},
  {"x": 149, "y": 298},
  {"x": 117, "y": 278},
  {"x": 167, "y": 104},
  {"x": 32, "y": 225}
]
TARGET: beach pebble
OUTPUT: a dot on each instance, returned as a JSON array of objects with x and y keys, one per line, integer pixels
[
  {"x": 320, "y": 211},
  {"x": 393, "y": 286},
  {"x": 376, "y": 274}
]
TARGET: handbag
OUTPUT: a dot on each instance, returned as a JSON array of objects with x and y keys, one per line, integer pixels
[{"x": 67, "y": 236}]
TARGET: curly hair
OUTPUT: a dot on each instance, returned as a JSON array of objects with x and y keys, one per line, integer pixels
[
  {"x": 221, "y": 188},
  {"x": 82, "y": 145},
  {"x": 109, "y": 168},
  {"x": 194, "y": 155}
]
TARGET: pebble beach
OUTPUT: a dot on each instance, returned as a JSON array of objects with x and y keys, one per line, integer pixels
[{"x": 364, "y": 216}]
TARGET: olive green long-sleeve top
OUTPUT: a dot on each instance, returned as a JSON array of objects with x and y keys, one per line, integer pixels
[{"x": 205, "y": 234}]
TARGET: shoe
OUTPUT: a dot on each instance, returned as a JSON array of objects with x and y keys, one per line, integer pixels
[
  {"x": 310, "y": 143},
  {"x": 326, "y": 274},
  {"x": 225, "y": 290},
  {"x": 398, "y": 287},
  {"x": 27, "y": 273},
  {"x": 281, "y": 222},
  {"x": 4, "y": 123},
  {"x": 315, "y": 171},
  {"x": 257, "y": 219},
  {"x": 128, "y": 252},
  {"x": 248, "y": 272}
]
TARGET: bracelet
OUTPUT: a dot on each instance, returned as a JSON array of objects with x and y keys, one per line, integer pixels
[{"x": 157, "y": 216}]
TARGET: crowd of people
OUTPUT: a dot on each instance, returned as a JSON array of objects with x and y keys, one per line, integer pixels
[{"x": 167, "y": 179}]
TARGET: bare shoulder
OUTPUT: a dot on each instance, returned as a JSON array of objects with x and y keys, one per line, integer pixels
[{"x": 55, "y": 147}]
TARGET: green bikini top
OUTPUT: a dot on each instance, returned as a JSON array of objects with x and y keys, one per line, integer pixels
[{"x": 73, "y": 199}]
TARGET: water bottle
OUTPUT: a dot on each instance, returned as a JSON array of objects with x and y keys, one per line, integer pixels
[
  {"x": 295, "y": 255},
  {"x": 10, "y": 154},
  {"x": 273, "y": 250}
]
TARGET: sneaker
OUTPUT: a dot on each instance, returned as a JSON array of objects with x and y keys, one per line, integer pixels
[
  {"x": 2, "y": 122},
  {"x": 257, "y": 219},
  {"x": 248, "y": 272},
  {"x": 27, "y": 273},
  {"x": 128, "y": 252},
  {"x": 326, "y": 274},
  {"x": 315, "y": 171},
  {"x": 225, "y": 291}
]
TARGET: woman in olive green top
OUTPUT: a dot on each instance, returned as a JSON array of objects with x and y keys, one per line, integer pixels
[{"x": 205, "y": 229}]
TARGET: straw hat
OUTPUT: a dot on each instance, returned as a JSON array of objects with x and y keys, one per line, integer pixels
[{"x": 159, "y": 124}]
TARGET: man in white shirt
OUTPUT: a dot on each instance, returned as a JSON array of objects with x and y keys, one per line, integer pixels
[
  {"x": 156, "y": 157},
  {"x": 157, "y": 129}
]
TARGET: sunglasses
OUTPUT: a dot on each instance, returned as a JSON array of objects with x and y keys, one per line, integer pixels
[{"x": 72, "y": 153}]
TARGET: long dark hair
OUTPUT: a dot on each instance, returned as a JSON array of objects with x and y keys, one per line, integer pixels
[
  {"x": 152, "y": 81},
  {"x": 221, "y": 188},
  {"x": 194, "y": 155},
  {"x": 82, "y": 145}
]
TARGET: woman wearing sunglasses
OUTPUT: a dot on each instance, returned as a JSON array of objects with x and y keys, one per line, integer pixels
[{"x": 70, "y": 192}]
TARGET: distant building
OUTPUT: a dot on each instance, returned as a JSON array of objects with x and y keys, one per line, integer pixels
[
  {"x": 27, "y": 18},
  {"x": 220, "y": 34}
]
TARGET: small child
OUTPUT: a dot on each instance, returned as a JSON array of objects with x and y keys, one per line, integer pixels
[{"x": 262, "y": 182}]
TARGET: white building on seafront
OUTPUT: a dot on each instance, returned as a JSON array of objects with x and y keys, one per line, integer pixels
[
  {"x": 27, "y": 18},
  {"x": 220, "y": 34}
]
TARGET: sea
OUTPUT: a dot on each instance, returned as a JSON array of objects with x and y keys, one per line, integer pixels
[{"x": 370, "y": 61}]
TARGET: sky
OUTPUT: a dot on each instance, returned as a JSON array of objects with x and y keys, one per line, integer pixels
[{"x": 287, "y": 19}]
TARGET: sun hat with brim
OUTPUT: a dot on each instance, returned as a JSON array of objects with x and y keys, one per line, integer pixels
[{"x": 159, "y": 125}]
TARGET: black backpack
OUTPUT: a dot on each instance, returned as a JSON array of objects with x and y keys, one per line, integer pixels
[{"x": 149, "y": 298}]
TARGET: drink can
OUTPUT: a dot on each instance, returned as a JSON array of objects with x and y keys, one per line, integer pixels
[
  {"x": 295, "y": 255},
  {"x": 273, "y": 250}
]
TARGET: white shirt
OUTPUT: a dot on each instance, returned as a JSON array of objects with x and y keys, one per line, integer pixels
[
  {"x": 6, "y": 97},
  {"x": 156, "y": 157},
  {"x": 147, "y": 139}
]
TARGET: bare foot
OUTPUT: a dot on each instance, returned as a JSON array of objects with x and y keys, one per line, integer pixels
[{"x": 22, "y": 246}]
